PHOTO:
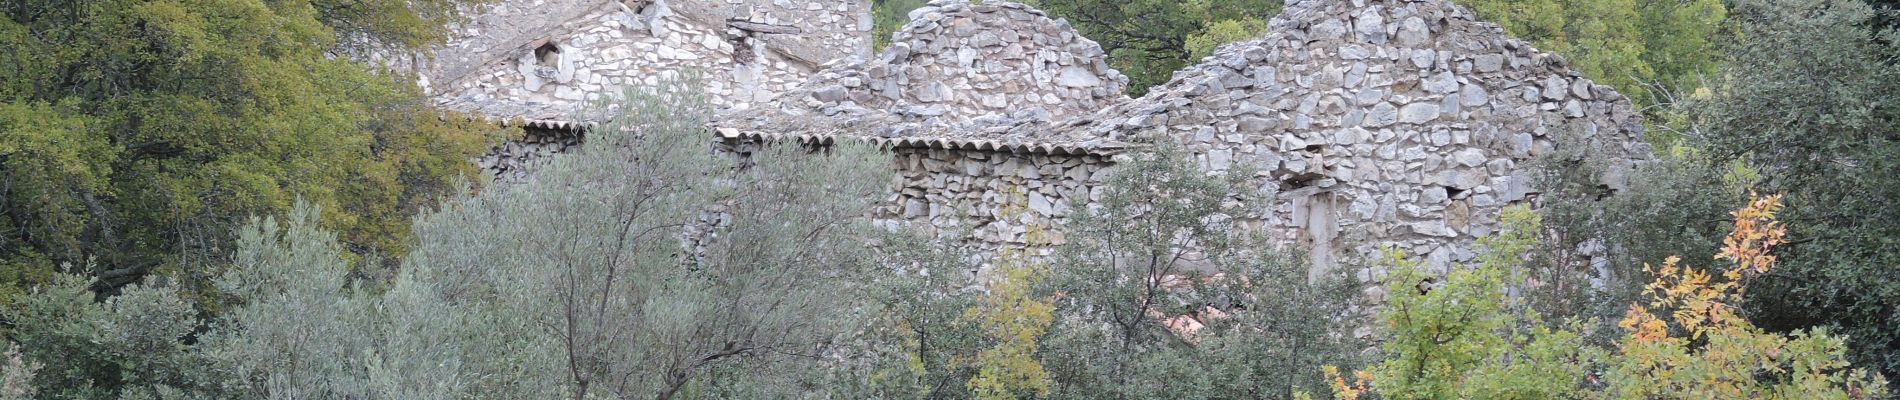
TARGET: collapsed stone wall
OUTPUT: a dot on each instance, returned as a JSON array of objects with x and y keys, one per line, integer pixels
[
  {"x": 963, "y": 99},
  {"x": 1401, "y": 123},
  {"x": 957, "y": 69},
  {"x": 543, "y": 60},
  {"x": 747, "y": 52},
  {"x": 514, "y": 160},
  {"x": 1371, "y": 123}
]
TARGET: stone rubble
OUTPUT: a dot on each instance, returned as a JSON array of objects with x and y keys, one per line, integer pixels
[{"x": 513, "y": 160}]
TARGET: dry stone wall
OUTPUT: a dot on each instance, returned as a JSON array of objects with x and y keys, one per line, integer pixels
[
  {"x": 1403, "y": 123},
  {"x": 748, "y": 51},
  {"x": 512, "y": 161},
  {"x": 964, "y": 98},
  {"x": 1368, "y": 123},
  {"x": 542, "y": 60},
  {"x": 992, "y": 70},
  {"x": 956, "y": 192}
]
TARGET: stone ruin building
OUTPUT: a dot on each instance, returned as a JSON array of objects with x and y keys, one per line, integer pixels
[
  {"x": 534, "y": 62},
  {"x": 1368, "y": 123}
]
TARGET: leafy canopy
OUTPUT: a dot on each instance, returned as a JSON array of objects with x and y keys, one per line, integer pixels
[
  {"x": 1808, "y": 100},
  {"x": 1146, "y": 39},
  {"x": 135, "y": 134},
  {"x": 1632, "y": 45}
]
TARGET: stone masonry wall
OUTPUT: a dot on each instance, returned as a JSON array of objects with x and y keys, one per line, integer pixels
[
  {"x": 957, "y": 69},
  {"x": 512, "y": 161},
  {"x": 1403, "y": 123},
  {"x": 963, "y": 98},
  {"x": 747, "y": 50},
  {"x": 1372, "y": 123},
  {"x": 1369, "y": 123},
  {"x": 961, "y": 192},
  {"x": 542, "y": 60}
]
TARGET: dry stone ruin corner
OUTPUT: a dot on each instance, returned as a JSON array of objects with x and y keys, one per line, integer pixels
[{"x": 1369, "y": 123}]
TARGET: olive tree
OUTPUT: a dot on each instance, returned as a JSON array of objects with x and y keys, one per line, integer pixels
[
  {"x": 635, "y": 266},
  {"x": 1166, "y": 240}
]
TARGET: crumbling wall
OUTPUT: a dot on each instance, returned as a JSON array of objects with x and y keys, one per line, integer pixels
[
  {"x": 513, "y": 64},
  {"x": 544, "y": 60},
  {"x": 1367, "y": 123},
  {"x": 957, "y": 69},
  {"x": 1401, "y": 123},
  {"x": 514, "y": 160},
  {"x": 964, "y": 98}
]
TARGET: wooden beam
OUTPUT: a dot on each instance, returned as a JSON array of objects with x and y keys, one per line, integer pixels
[{"x": 763, "y": 28}]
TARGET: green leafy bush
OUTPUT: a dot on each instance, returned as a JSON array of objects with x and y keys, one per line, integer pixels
[
  {"x": 637, "y": 265},
  {"x": 124, "y": 345},
  {"x": 1124, "y": 281},
  {"x": 1632, "y": 45},
  {"x": 1466, "y": 338},
  {"x": 137, "y": 134}
]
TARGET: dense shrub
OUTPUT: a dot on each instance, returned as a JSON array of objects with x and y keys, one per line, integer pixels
[
  {"x": 1466, "y": 338},
  {"x": 1161, "y": 248}
]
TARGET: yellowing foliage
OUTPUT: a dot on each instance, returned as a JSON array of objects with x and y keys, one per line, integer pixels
[
  {"x": 1718, "y": 353},
  {"x": 1361, "y": 384},
  {"x": 1690, "y": 341},
  {"x": 1015, "y": 319}
]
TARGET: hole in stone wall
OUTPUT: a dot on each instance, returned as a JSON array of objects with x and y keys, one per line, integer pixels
[
  {"x": 1453, "y": 192},
  {"x": 742, "y": 52},
  {"x": 639, "y": 7},
  {"x": 1299, "y": 181},
  {"x": 548, "y": 54}
]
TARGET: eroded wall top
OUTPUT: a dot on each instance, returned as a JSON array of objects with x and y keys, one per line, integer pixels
[
  {"x": 1406, "y": 123},
  {"x": 998, "y": 69},
  {"x": 542, "y": 59}
]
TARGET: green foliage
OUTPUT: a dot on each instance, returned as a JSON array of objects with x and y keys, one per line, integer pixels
[
  {"x": 1464, "y": 339},
  {"x": 44, "y": 152},
  {"x": 1150, "y": 39},
  {"x": 1014, "y": 318},
  {"x": 644, "y": 266},
  {"x": 127, "y": 344},
  {"x": 138, "y": 133},
  {"x": 294, "y": 330},
  {"x": 1160, "y": 247},
  {"x": 887, "y": 17},
  {"x": 363, "y": 26},
  {"x": 918, "y": 344},
  {"x": 1164, "y": 244},
  {"x": 16, "y": 376},
  {"x": 636, "y": 266},
  {"x": 1626, "y": 44},
  {"x": 1223, "y": 32},
  {"x": 1718, "y": 353},
  {"x": 1590, "y": 261},
  {"x": 1808, "y": 101}
]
